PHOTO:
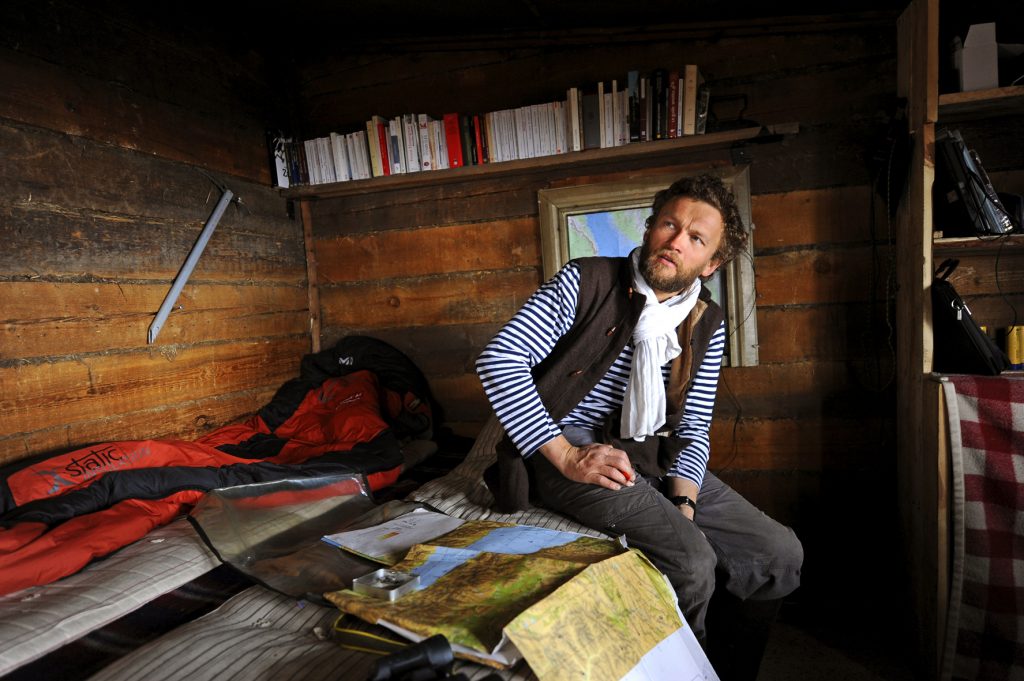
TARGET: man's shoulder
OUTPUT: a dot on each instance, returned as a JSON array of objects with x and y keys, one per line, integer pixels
[{"x": 599, "y": 264}]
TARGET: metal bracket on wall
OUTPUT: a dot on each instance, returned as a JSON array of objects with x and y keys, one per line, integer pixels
[
  {"x": 769, "y": 134},
  {"x": 190, "y": 264}
]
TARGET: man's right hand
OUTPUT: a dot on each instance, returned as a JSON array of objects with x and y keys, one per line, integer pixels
[{"x": 594, "y": 464}]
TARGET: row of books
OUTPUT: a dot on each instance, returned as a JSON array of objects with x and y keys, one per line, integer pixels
[{"x": 663, "y": 104}]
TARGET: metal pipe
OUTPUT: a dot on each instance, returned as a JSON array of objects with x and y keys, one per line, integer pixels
[{"x": 190, "y": 264}]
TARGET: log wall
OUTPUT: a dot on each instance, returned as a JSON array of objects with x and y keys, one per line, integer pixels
[{"x": 115, "y": 143}]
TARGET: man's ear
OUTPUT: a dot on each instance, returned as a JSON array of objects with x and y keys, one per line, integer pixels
[{"x": 710, "y": 269}]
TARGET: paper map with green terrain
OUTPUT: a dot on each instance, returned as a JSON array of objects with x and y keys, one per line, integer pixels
[
  {"x": 562, "y": 599},
  {"x": 476, "y": 579}
]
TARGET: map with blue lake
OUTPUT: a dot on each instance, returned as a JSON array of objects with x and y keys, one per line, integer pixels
[{"x": 608, "y": 233}]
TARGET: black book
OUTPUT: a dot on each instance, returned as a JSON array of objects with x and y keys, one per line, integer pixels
[
  {"x": 591, "y": 122},
  {"x": 659, "y": 115}
]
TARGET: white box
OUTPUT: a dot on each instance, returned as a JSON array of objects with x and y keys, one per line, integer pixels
[{"x": 978, "y": 61}]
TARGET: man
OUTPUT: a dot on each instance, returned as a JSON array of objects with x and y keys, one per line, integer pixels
[{"x": 605, "y": 384}]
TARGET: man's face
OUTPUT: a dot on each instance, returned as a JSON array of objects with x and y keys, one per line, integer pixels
[{"x": 680, "y": 245}]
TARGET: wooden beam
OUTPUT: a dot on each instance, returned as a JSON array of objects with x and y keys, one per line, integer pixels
[{"x": 312, "y": 285}]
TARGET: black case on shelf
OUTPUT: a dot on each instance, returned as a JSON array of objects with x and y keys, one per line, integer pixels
[
  {"x": 961, "y": 347},
  {"x": 964, "y": 200}
]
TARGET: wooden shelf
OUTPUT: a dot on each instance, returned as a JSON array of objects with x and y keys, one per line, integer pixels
[
  {"x": 1001, "y": 101},
  {"x": 978, "y": 245},
  {"x": 579, "y": 159}
]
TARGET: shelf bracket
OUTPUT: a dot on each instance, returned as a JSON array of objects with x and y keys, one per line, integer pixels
[{"x": 190, "y": 264}]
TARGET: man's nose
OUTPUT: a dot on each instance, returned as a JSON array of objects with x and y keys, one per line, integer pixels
[{"x": 678, "y": 241}]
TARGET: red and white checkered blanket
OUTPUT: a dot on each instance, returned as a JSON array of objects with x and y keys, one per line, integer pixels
[{"x": 985, "y": 632}]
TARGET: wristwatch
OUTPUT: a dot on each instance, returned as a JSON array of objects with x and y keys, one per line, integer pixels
[{"x": 684, "y": 501}]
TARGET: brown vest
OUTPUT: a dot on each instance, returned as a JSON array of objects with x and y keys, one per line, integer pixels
[{"x": 607, "y": 311}]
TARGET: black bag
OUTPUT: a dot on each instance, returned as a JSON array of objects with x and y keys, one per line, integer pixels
[
  {"x": 961, "y": 347},
  {"x": 965, "y": 202}
]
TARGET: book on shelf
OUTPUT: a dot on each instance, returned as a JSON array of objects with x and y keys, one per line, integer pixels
[
  {"x": 424, "y": 136},
  {"x": 479, "y": 135},
  {"x": 521, "y": 148},
  {"x": 573, "y": 113},
  {"x": 313, "y": 166},
  {"x": 673, "y": 97},
  {"x": 613, "y": 114},
  {"x": 633, "y": 105},
  {"x": 465, "y": 132},
  {"x": 692, "y": 81},
  {"x": 397, "y": 147},
  {"x": 703, "y": 104},
  {"x": 410, "y": 136},
  {"x": 620, "y": 124},
  {"x": 384, "y": 140},
  {"x": 453, "y": 140},
  {"x": 339, "y": 151},
  {"x": 359, "y": 151},
  {"x": 438, "y": 147},
  {"x": 277, "y": 146},
  {"x": 326, "y": 157},
  {"x": 489, "y": 121},
  {"x": 659, "y": 81},
  {"x": 646, "y": 114},
  {"x": 662, "y": 103},
  {"x": 591, "y": 121},
  {"x": 373, "y": 141},
  {"x": 309, "y": 161}
]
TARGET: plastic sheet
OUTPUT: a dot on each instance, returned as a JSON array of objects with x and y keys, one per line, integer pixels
[{"x": 272, "y": 531}]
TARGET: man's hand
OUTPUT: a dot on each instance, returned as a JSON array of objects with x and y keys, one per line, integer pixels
[{"x": 594, "y": 464}]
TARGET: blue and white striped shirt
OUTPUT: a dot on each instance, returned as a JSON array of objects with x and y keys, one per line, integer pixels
[{"x": 505, "y": 363}]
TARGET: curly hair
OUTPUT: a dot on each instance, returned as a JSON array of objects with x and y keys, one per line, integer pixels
[{"x": 712, "y": 191}]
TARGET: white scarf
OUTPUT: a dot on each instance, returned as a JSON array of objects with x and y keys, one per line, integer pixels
[{"x": 655, "y": 342}]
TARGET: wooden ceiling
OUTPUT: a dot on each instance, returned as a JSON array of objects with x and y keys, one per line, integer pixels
[{"x": 333, "y": 26}]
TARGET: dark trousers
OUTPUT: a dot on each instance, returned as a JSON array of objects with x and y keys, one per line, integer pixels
[{"x": 729, "y": 544}]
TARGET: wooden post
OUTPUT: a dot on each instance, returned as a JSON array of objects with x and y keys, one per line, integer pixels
[
  {"x": 919, "y": 466},
  {"x": 312, "y": 287}
]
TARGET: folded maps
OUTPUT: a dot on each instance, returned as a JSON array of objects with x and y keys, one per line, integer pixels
[{"x": 500, "y": 593}]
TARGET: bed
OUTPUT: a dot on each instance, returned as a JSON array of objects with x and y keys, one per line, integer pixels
[{"x": 256, "y": 633}]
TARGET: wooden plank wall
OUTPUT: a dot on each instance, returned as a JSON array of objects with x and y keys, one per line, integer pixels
[
  {"x": 114, "y": 150},
  {"x": 435, "y": 270}
]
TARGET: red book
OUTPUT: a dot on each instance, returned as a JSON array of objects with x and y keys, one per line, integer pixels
[
  {"x": 673, "y": 104},
  {"x": 385, "y": 147},
  {"x": 453, "y": 138},
  {"x": 478, "y": 133}
]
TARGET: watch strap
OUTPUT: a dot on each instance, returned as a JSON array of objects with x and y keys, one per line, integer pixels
[{"x": 683, "y": 501}]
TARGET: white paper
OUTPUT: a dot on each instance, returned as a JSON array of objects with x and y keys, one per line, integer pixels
[
  {"x": 677, "y": 656},
  {"x": 389, "y": 542}
]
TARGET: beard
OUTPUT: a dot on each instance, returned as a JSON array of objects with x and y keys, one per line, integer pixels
[{"x": 664, "y": 278}]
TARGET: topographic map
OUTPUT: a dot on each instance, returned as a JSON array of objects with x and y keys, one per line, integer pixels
[
  {"x": 610, "y": 233},
  {"x": 475, "y": 579},
  {"x": 566, "y": 602}
]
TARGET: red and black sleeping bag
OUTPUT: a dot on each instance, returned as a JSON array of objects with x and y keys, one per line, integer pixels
[{"x": 345, "y": 413}]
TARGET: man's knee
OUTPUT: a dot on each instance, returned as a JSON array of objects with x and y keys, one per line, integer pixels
[
  {"x": 690, "y": 571},
  {"x": 777, "y": 573}
]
